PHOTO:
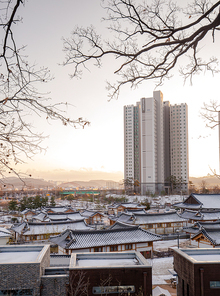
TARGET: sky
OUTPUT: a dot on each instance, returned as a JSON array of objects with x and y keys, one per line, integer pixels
[{"x": 97, "y": 151}]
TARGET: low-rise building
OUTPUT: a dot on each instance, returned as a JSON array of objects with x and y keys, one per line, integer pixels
[
  {"x": 198, "y": 272},
  {"x": 5, "y": 235},
  {"x": 30, "y": 270},
  {"x": 110, "y": 240},
  {"x": 200, "y": 202},
  {"x": 117, "y": 208},
  {"x": 92, "y": 217},
  {"x": 158, "y": 223},
  {"x": 34, "y": 231},
  {"x": 127, "y": 273}
]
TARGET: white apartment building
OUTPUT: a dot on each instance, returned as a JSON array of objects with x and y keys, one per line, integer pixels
[
  {"x": 151, "y": 146},
  {"x": 179, "y": 143}
]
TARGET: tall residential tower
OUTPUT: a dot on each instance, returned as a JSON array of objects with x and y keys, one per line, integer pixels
[{"x": 156, "y": 143}]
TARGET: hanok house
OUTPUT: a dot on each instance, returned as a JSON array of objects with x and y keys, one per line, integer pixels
[
  {"x": 205, "y": 234},
  {"x": 5, "y": 235},
  {"x": 158, "y": 223},
  {"x": 27, "y": 214},
  {"x": 209, "y": 202},
  {"x": 59, "y": 209},
  {"x": 198, "y": 272},
  {"x": 127, "y": 273},
  {"x": 32, "y": 231},
  {"x": 200, "y": 215},
  {"x": 117, "y": 208},
  {"x": 111, "y": 240},
  {"x": 50, "y": 217},
  {"x": 92, "y": 217}
]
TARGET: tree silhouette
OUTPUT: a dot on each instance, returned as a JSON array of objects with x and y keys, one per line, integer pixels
[
  {"x": 148, "y": 40},
  {"x": 20, "y": 96}
]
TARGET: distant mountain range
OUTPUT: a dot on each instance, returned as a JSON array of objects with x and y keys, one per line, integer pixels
[{"x": 14, "y": 182}]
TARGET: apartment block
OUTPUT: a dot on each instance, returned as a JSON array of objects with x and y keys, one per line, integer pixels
[{"x": 156, "y": 143}]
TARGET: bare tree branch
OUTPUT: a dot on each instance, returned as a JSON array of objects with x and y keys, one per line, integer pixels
[
  {"x": 20, "y": 97},
  {"x": 149, "y": 40}
]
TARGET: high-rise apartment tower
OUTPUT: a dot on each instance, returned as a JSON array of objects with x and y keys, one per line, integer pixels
[{"x": 156, "y": 143}]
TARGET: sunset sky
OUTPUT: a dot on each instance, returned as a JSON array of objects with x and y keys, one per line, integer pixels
[{"x": 96, "y": 152}]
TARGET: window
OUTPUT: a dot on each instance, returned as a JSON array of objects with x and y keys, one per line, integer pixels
[
  {"x": 128, "y": 247},
  {"x": 113, "y": 248},
  {"x": 98, "y": 249}
]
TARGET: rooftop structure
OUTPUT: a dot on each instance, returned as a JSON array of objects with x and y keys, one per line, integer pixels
[
  {"x": 119, "y": 239},
  {"x": 21, "y": 268},
  {"x": 198, "y": 271},
  {"x": 200, "y": 215},
  {"x": 111, "y": 273},
  {"x": 200, "y": 202},
  {"x": 30, "y": 270},
  {"x": 33, "y": 231}
]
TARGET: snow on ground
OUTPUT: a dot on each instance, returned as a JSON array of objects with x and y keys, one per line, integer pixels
[{"x": 160, "y": 271}]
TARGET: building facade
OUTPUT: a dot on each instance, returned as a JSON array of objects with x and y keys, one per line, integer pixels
[
  {"x": 156, "y": 143},
  {"x": 198, "y": 272}
]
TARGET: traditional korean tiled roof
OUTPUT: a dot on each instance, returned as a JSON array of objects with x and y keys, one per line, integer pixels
[
  {"x": 212, "y": 235},
  {"x": 41, "y": 217},
  {"x": 210, "y": 225},
  {"x": 201, "y": 201},
  {"x": 123, "y": 217},
  {"x": 119, "y": 225},
  {"x": 5, "y": 232},
  {"x": 139, "y": 211},
  {"x": 75, "y": 240},
  {"x": 65, "y": 216},
  {"x": 200, "y": 215},
  {"x": 32, "y": 228},
  {"x": 157, "y": 218},
  {"x": 127, "y": 205},
  {"x": 90, "y": 213},
  {"x": 27, "y": 211},
  {"x": 59, "y": 209}
]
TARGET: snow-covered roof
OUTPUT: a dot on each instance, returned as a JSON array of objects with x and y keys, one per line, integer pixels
[
  {"x": 212, "y": 235},
  {"x": 50, "y": 227},
  {"x": 64, "y": 216},
  {"x": 75, "y": 240},
  {"x": 41, "y": 217},
  {"x": 119, "y": 225},
  {"x": 124, "y": 217},
  {"x": 200, "y": 201},
  {"x": 138, "y": 211},
  {"x": 28, "y": 211},
  {"x": 5, "y": 232},
  {"x": 90, "y": 213},
  {"x": 158, "y": 291},
  {"x": 157, "y": 218},
  {"x": 127, "y": 205},
  {"x": 200, "y": 215},
  {"x": 61, "y": 209}
]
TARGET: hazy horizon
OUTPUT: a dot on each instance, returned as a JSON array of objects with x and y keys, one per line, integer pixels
[{"x": 82, "y": 174}]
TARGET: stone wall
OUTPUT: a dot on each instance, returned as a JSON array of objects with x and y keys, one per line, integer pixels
[
  {"x": 54, "y": 285},
  {"x": 20, "y": 276}
]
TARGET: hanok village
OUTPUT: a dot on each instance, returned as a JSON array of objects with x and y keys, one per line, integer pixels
[{"x": 121, "y": 249}]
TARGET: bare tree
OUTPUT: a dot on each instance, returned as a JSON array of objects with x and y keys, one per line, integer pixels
[
  {"x": 78, "y": 284},
  {"x": 211, "y": 114},
  {"x": 149, "y": 39},
  {"x": 20, "y": 97}
]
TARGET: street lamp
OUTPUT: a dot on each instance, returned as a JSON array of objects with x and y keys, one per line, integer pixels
[{"x": 178, "y": 238}]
